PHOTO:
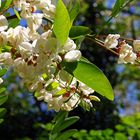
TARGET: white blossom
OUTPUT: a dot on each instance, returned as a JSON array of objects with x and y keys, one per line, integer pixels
[
  {"x": 20, "y": 3},
  {"x": 6, "y": 59},
  {"x": 111, "y": 40},
  {"x": 73, "y": 55},
  {"x": 136, "y": 45},
  {"x": 37, "y": 56},
  {"x": 34, "y": 21},
  {"x": 85, "y": 89},
  {"x": 126, "y": 54},
  {"x": 17, "y": 35},
  {"x": 3, "y": 38},
  {"x": 69, "y": 45},
  {"x": 3, "y": 23}
]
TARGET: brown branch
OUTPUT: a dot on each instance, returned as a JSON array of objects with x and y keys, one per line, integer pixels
[
  {"x": 4, "y": 10},
  {"x": 101, "y": 43},
  {"x": 123, "y": 38}
]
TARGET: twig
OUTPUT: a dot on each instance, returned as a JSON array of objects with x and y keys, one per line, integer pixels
[
  {"x": 4, "y": 10},
  {"x": 101, "y": 43}
]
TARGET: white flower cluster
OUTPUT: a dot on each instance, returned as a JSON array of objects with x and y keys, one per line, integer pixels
[
  {"x": 127, "y": 53},
  {"x": 37, "y": 57}
]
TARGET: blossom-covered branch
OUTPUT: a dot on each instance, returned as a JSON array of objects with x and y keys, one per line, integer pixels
[{"x": 37, "y": 56}]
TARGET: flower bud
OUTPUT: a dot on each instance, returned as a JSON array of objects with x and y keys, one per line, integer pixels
[{"x": 72, "y": 56}]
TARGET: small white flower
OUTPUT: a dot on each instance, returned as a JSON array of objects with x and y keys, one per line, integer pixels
[
  {"x": 25, "y": 49},
  {"x": 72, "y": 103},
  {"x": 85, "y": 89},
  {"x": 19, "y": 3},
  {"x": 47, "y": 34},
  {"x": 17, "y": 35},
  {"x": 48, "y": 9},
  {"x": 3, "y": 38},
  {"x": 54, "y": 103},
  {"x": 73, "y": 55},
  {"x": 126, "y": 54},
  {"x": 3, "y": 23},
  {"x": 125, "y": 48},
  {"x": 136, "y": 45},
  {"x": 34, "y": 21},
  {"x": 127, "y": 58},
  {"x": 6, "y": 59},
  {"x": 111, "y": 41},
  {"x": 69, "y": 45}
]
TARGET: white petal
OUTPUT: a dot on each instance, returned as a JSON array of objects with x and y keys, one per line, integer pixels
[
  {"x": 69, "y": 45},
  {"x": 111, "y": 40},
  {"x": 73, "y": 55},
  {"x": 136, "y": 45},
  {"x": 3, "y": 23}
]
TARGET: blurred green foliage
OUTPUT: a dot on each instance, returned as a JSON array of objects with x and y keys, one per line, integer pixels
[{"x": 128, "y": 128}]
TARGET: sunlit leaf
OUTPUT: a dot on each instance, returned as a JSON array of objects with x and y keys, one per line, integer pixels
[
  {"x": 92, "y": 76},
  {"x": 17, "y": 14},
  {"x": 5, "y": 4},
  {"x": 2, "y": 72},
  {"x": 52, "y": 86},
  {"x": 61, "y": 92},
  {"x": 120, "y": 136},
  {"x": 61, "y": 22}
]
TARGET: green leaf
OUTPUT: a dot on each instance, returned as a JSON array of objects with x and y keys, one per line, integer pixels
[
  {"x": 60, "y": 92},
  {"x": 74, "y": 11},
  {"x": 2, "y": 111},
  {"x": 78, "y": 31},
  {"x": 92, "y": 76},
  {"x": 2, "y": 90},
  {"x": 62, "y": 23},
  {"x": 5, "y": 48},
  {"x": 60, "y": 116},
  {"x": 17, "y": 14},
  {"x": 120, "y": 127},
  {"x": 120, "y": 136},
  {"x": 0, "y": 3},
  {"x": 117, "y": 7},
  {"x": 5, "y": 4},
  {"x": 1, "y": 120},
  {"x": 14, "y": 22},
  {"x": 52, "y": 86},
  {"x": 3, "y": 99},
  {"x": 2, "y": 72},
  {"x": 65, "y": 135},
  {"x": 94, "y": 98},
  {"x": 66, "y": 123},
  {"x": 85, "y": 105}
]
